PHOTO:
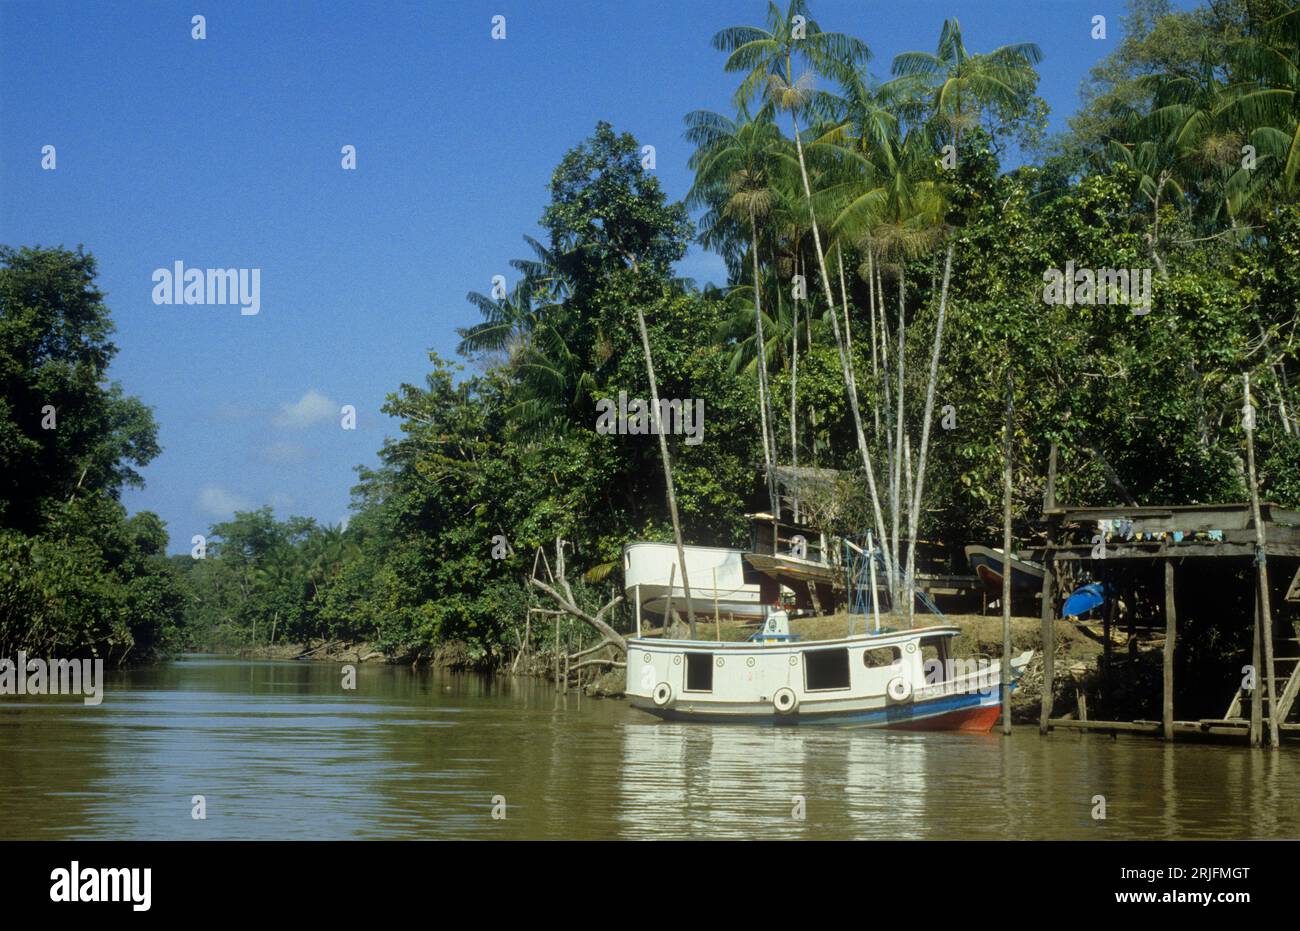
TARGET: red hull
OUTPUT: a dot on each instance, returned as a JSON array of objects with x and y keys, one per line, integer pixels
[{"x": 967, "y": 720}]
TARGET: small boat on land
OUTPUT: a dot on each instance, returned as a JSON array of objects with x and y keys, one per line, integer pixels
[
  {"x": 1026, "y": 576},
  {"x": 1086, "y": 598},
  {"x": 895, "y": 679},
  {"x": 653, "y": 567}
]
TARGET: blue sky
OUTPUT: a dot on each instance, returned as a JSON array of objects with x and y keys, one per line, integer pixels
[{"x": 226, "y": 153}]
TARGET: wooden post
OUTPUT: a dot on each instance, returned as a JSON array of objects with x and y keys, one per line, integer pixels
[
  {"x": 1265, "y": 624},
  {"x": 1107, "y": 614},
  {"x": 1256, "y": 709},
  {"x": 871, "y": 569},
  {"x": 668, "y": 605},
  {"x": 1171, "y": 623},
  {"x": 667, "y": 463},
  {"x": 717, "y": 619},
  {"x": 1006, "y": 571},
  {"x": 1049, "y": 628}
]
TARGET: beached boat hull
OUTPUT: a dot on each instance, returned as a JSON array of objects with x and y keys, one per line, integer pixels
[
  {"x": 1026, "y": 576},
  {"x": 901, "y": 680},
  {"x": 651, "y": 567}
]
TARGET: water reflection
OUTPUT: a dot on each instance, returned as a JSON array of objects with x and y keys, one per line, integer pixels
[{"x": 280, "y": 750}]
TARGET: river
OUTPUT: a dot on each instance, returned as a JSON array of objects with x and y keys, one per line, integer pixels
[{"x": 280, "y": 750}]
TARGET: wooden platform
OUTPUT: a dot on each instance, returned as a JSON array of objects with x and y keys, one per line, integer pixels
[{"x": 1235, "y": 728}]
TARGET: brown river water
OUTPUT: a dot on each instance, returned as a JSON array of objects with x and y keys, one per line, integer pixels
[{"x": 280, "y": 750}]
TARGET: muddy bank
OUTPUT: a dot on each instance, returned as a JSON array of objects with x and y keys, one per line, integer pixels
[{"x": 332, "y": 652}]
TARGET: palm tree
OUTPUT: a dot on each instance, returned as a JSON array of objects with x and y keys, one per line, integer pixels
[
  {"x": 889, "y": 201},
  {"x": 863, "y": 121},
  {"x": 766, "y": 57},
  {"x": 735, "y": 163},
  {"x": 1195, "y": 121},
  {"x": 963, "y": 84},
  {"x": 1153, "y": 163},
  {"x": 527, "y": 328},
  {"x": 1268, "y": 100},
  {"x": 509, "y": 323}
]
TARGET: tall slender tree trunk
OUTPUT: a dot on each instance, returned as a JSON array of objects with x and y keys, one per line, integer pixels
[
  {"x": 768, "y": 453},
  {"x": 914, "y": 512},
  {"x": 767, "y": 384},
  {"x": 844, "y": 301},
  {"x": 839, "y": 342},
  {"x": 1005, "y": 678},
  {"x": 848, "y": 335},
  {"x": 886, "y": 380},
  {"x": 901, "y": 365},
  {"x": 794, "y": 386},
  {"x": 668, "y": 466},
  {"x": 875, "y": 368}
]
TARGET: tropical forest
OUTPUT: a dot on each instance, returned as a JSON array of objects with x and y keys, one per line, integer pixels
[{"x": 900, "y": 238}]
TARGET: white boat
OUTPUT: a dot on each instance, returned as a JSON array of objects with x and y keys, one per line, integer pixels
[
  {"x": 653, "y": 567},
  {"x": 899, "y": 679}
]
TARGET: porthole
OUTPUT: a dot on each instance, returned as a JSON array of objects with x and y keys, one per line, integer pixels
[
  {"x": 911, "y": 648},
  {"x": 720, "y": 662},
  {"x": 794, "y": 659},
  {"x": 677, "y": 660},
  {"x": 645, "y": 657},
  {"x": 750, "y": 662}
]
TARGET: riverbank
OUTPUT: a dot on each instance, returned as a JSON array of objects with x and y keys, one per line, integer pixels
[
  {"x": 1077, "y": 654},
  {"x": 454, "y": 655},
  {"x": 331, "y": 652}
]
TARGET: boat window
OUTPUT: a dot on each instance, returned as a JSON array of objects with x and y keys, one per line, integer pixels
[
  {"x": 881, "y": 656},
  {"x": 699, "y": 672},
  {"x": 826, "y": 669},
  {"x": 934, "y": 656}
]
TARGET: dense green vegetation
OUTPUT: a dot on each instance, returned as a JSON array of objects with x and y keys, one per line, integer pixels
[
  {"x": 77, "y": 576},
  {"x": 1185, "y": 160}
]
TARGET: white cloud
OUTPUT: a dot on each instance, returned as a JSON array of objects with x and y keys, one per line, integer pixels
[
  {"x": 217, "y": 502},
  {"x": 312, "y": 408}
]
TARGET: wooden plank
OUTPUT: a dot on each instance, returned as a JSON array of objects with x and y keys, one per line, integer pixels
[
  {"x": 1256, "y": 720},
  {"x": 1049, "y": 627},
  {"x": 1287, "y": 699},
  {"x": 1006, "y": 568},
  {"x": 1146, "y": 727},
  {"x": 1207, "y": 728},
  {"x": 1293, "y": 590},
  {"x": 1238, "y": 723},
  {"x": 1167, "y": 715},
  {"x": 1222, "y": 511},
  {"x": 1066, "y": 552},
  {"x": 1261, "y": 561}
]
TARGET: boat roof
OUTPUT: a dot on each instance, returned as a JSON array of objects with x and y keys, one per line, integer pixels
[
  {"x": 885, "y": 637},
  {"x": 686, "y": 546}
]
